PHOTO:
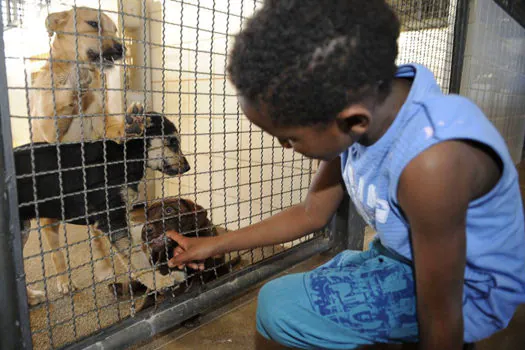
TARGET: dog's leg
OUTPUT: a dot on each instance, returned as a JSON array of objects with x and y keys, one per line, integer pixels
[
  {"x": 50, "y": 229},
  {"x": 103, "y": 266},
  {"x": 34, "y": 297},
  {"x": 132, "y": 125},
  {"x": 60, "y": 102}
]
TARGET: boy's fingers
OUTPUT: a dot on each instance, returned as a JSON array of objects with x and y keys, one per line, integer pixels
[
  {"x": 176, "y": 237},
  {"x": 196, "y": 266},
  {"x": 178, "y": 260},
  {"x": 193, "y": 266}
]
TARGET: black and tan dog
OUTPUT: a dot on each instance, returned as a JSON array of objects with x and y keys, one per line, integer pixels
[{"x": 96, "y": 181}]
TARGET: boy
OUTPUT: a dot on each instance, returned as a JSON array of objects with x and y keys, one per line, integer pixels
[{"x": 429, "y": 172}]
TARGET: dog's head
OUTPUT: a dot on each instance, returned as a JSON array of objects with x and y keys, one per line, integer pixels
[
  {"x": 163, "y": 146},
  {"x": 180, "y": 215},
  {"x": 94, "y": 33}
]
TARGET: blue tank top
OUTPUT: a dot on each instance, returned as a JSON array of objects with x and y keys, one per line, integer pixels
[{"x": 495, "y": 269}]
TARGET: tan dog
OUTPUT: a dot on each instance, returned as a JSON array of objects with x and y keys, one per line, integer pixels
[{"x": 70, "y": 85}]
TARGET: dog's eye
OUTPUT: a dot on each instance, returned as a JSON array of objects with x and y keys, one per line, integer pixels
[
  {"x": 168, "y": 210},
  {"x": 94, "y": 24}
]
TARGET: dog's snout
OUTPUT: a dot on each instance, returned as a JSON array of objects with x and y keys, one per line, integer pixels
[
  {"x": 185, "y": 166},
  {"x": 119, "y": 48},
  {"x": 149, "y": 229}
]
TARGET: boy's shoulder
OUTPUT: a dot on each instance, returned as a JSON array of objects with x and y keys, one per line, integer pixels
[{"x": 439, "y": 118}]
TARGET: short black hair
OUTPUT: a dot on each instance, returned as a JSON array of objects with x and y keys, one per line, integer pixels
[{"x": 309, "y": 59}]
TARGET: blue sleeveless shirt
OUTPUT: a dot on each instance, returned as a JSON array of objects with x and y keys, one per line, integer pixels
[{"x": 495, "y": 268}]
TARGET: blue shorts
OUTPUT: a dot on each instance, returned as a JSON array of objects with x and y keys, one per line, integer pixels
[{"x": 355, "y": 299}]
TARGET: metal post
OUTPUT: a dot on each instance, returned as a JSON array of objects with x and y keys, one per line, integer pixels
[
  {"x": 15, "y": 331},
  {"x": 347, "y": 228},
  {"x": 458, "y": 46}
]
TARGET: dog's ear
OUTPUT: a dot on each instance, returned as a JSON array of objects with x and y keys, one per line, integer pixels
[
  {"x": 56, "y": 20},
  {"x": 153, "y": 210}
]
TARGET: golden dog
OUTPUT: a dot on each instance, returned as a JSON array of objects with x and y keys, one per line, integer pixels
[{"x": 66, "y": 105}]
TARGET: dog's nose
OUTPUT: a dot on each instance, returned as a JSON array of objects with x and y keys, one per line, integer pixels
[
  {"x": 185, "y": 166},
  {"x": 119, "y": 48}
]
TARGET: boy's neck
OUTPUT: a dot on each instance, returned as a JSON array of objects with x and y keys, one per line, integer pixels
[{"x": 385, "y": 113}]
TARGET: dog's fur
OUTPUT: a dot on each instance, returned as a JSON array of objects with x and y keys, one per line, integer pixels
[{"x": 107, "y": 216}]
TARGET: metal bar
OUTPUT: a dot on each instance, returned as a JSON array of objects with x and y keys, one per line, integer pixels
[
  {"x": 458, "y": 46},
  {"x": 356, "y": 229},
  {"x": 145, "y": 324},
  {"x": 347, "y": 227},
  {"x": 339, "y": 226},
  {"x": 15, "y": 329}
]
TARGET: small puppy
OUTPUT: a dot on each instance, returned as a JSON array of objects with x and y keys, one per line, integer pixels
[
  {"x": 183, "y": 216},
  {"x": 70, "y": 84},
  {"x": 189, "y": 219},
  {"x": 111, "y": 181}
]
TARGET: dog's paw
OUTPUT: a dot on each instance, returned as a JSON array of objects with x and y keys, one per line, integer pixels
[
  {"x": 64, "y": 286},
  {"x": 35, "y": 297},
  {"x": 135, "y": 119}
]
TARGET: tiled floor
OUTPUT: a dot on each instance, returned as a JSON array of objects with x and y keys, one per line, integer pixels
[{"x": 233, "y": 326}]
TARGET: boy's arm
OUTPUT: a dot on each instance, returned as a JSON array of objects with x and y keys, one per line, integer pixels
[
  {"x": 434, "y": 193},
  {"x": 325, "y": 193}
]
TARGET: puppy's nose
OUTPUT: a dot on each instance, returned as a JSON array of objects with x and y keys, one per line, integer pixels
[
  {"x": 119, "y": 49},
  {"x": 185, "y": 166}
]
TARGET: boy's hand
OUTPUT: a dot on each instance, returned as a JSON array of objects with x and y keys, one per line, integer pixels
[{"x": 191, "y": 251}]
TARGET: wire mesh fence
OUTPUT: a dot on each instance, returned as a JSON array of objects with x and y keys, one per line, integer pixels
[{"x": 124, "y": 124}]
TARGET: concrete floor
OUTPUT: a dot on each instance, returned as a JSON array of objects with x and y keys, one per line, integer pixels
[{"x": 233, "y": 326}]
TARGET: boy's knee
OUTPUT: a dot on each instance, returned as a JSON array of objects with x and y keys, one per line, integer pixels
[
  {"x": 267, "y": 309},
  {"x": 273, "y": 310}
]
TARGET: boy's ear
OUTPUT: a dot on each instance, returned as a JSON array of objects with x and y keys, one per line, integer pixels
[{"x": 354, "y": 119}]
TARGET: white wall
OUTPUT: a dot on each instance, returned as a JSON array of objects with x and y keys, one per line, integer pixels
[{"x": 231, "y": 174}]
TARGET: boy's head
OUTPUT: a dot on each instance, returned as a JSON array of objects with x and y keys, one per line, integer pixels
[{"x": 301, "y": 66}]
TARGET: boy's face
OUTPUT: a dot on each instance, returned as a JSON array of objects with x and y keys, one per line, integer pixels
[{"x": 323, "y": 142}]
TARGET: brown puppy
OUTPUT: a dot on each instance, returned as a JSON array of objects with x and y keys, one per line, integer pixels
[
  {"x": 187, "y": 218},
  {"x": 70, "y": 85}
]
